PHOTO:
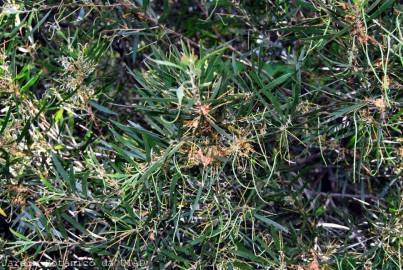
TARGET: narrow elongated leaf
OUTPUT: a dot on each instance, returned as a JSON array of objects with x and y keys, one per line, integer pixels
[{"x": 271, "y": 223}]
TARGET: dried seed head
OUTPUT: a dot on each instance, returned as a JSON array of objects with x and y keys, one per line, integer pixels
[
  {"x": 18, "y": 200},
  {"x": 241, "y": 146},
  {"x": 380, "y": 104}
]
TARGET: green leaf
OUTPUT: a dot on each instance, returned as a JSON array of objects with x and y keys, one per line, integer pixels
[
  {"x": 60, "y": 169},
  {"x": 246, "y": 253},
  {"x": 271, "y": 223},
  {"x": 168, "y": 64},
  {"x": 30, "y": 83},
  {"x": 5, "y": 121},
  {"x": 43, "y": 19},
  {"x": 180, "y": 94},
  {"x": 101, "y": 108},
  {"x": 19, "y": 235},
  {"x": 2, "y": 212},
  {"x": 59, "y": 115},
  {"x": 74, "y": 223}
]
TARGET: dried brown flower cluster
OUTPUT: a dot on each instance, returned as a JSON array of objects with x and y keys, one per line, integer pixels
[
  {"x": 208, "y": 155},
  {"x": 359, "y": 30}
]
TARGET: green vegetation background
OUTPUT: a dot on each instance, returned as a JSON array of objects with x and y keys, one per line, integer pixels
[{"x": 202, "y": 134}]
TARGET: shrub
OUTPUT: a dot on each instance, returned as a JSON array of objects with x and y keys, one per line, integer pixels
[{"x": 201, "y": 134}]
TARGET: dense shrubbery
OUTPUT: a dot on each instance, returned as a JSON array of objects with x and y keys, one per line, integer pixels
[{"x": 196, "y": 134}]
